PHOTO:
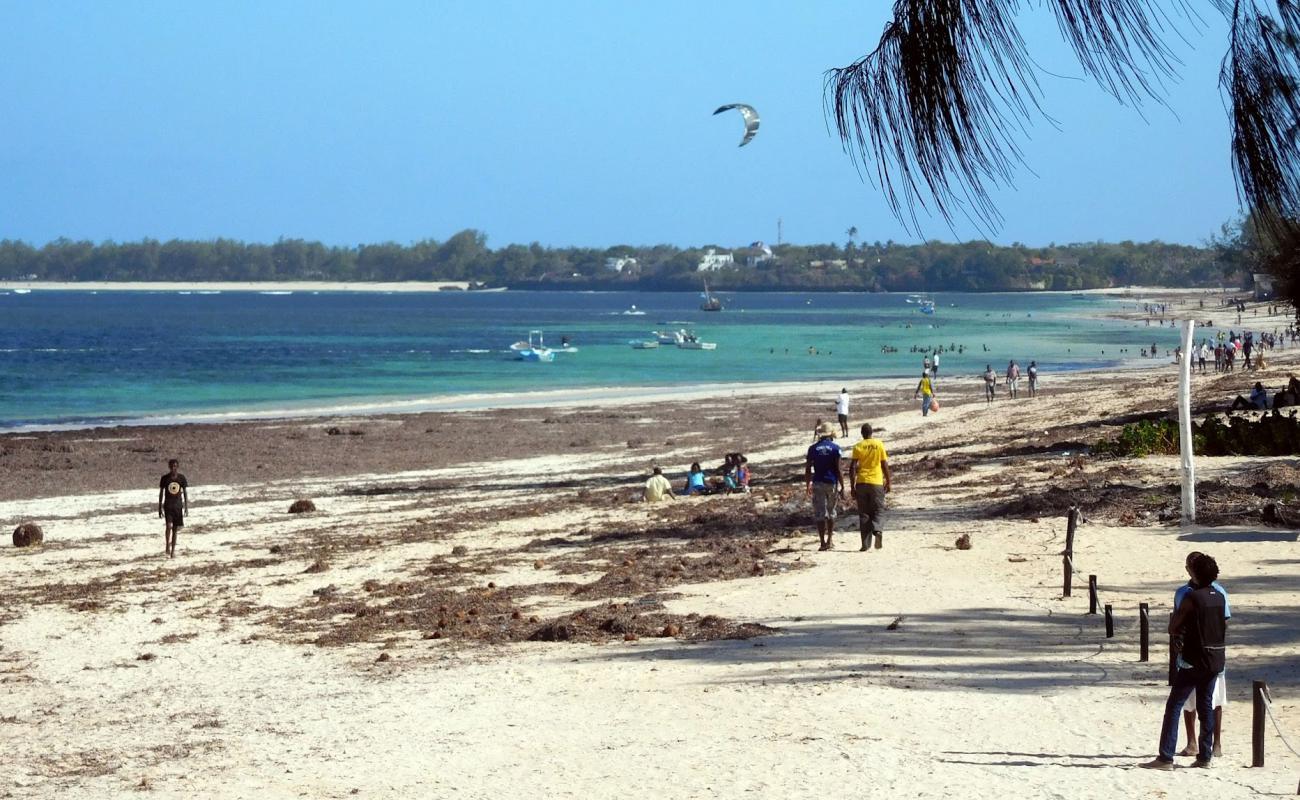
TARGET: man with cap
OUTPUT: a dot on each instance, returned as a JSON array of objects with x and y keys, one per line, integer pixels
[{"x": 825, "y": 484}]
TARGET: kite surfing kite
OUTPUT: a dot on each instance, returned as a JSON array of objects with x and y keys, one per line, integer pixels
[{"x": 751, "y": 119}]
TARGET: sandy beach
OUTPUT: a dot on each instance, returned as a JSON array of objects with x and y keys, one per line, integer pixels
[{"x": 480, "y": 607}]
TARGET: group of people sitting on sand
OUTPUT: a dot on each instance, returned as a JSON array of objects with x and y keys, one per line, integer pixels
[
  {"x": 1259, "y": 399},
  {"x": 732, "y": 476}
]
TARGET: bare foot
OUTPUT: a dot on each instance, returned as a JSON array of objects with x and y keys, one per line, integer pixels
[
  {"x": 1189, "y": 750},
  {"x": 1218, "y": 751}
]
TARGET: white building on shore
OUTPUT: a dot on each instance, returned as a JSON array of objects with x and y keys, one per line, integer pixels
[{"x": 712, "y": 261}]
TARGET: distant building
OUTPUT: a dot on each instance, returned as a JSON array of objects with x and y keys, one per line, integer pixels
[
  {"x": 713, "y": 261},
  {"x": 619, "y": 263},
  {"x": 1263, "y": 286},
  {"x": 761, "y": 253},
  {"x": 834, "y": 263}
]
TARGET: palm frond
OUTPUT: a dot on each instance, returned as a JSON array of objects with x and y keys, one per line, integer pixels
[{"x": 940, "y": 104}]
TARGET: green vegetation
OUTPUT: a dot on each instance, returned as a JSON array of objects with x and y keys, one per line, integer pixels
[
  {"x": 932, "y": 266},
  {"x": 1140, "y": 439}
]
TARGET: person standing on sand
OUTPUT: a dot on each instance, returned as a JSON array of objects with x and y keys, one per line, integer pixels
[
  {"x": 821, "y": 472},
  {"x": 1013, "y": 379},
  {"x": 1033, "y": 378},
  {"x": 173, "y": 504},
  {"x": 1200, "y": 623},
  {"x": 934, "y": 366},
  {"x": 990, "y": 383},
  {"x": 842, "y": 411},
  {"x": 658, "y": 488},
  {"x": 925, "y": 391},
  {"x": 870, "y": 482},
  {"x": 1220, "y": 685}
]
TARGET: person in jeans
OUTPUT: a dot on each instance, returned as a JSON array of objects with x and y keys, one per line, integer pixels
[
  {"x": 1220, "y": 686},
  {"x": 825, "y": 484},
  {"x": 1200, "y": 624}
]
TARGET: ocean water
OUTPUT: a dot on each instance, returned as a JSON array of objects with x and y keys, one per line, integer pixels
[{"x": 76, "y": 358}]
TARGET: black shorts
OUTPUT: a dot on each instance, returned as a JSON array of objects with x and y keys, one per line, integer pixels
[
  {"x": 843, "y": 418},
  {"x": 174, "y": 516}
]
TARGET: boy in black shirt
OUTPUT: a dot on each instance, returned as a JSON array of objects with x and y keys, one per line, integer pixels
[{"x": 173, "y": 504}]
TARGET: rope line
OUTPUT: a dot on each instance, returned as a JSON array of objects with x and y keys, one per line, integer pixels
[{"x": 1268, "y": 707}]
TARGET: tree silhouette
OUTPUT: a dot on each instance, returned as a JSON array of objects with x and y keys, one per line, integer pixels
[{"x": 938, "y": 106}]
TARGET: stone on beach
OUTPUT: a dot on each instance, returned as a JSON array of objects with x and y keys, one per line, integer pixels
[
  {"x": 28, "y": 534},
  {"x": 302, "y": 506}
]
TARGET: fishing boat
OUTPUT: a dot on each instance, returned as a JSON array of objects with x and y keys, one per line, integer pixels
[
  {"x": 634, "y": 312},
  {"x": 666, "y": 337},
  {"x": 927, "y": 306},
  {"x": 533, "y": 350},
  {"x": 710, "y": 303},
  {"x": 647, "y": 344}
]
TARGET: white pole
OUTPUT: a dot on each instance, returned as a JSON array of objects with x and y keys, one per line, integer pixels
[{"x": 1185, "y": 423}]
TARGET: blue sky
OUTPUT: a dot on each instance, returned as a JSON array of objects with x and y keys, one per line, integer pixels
[{"x": 568, "y": 123}]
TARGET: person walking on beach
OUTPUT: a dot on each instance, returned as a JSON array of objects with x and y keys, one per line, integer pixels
[
  {"x": 1220, "y": 685},
  {"x": 173, "y": 504},
  {"x": 934, "y": 365},
  {"x": 870, "y": 482},
  {"x": 1013, "y": 379},
  {"x": 842, "y": 411},
  {"x": 821, "y": 472},
  {"x": 1200, "y": 623},
  {"x": 1033, "y": 378},
  {"x": 990, "y": 383},
  {"x": 658, "y": 488},
  {"x": 925, "y": 391}
]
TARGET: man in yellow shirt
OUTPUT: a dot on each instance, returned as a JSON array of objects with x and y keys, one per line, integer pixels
[
  {"x": 658, "y": 488},
  {"x": 869, "y": 477}
]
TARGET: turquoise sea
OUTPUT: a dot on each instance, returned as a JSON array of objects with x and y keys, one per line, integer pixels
[{"x": 79, "y": 358}]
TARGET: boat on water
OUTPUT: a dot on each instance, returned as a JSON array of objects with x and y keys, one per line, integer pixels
[
  {"x": 927, "y": 306},
  {"x": 666, "y": 337},
  {"x": 647, "y": 344},
  {"x": 22, "y": 291},
  {"x": 534, "y": 349},
  {"x": 634, "y": 312},
  {"x": 687, "y": 340},
  {"x": 710, "y": 303}
]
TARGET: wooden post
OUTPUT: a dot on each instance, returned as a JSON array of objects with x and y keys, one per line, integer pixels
[
  {"x": 1257, "y": 689},
  {"x": 1144, "y": 625},
  {"x": 1092, "y": 594},
  {"x": 1110, "y": 623},
  {"x": 1068, "y": 560}
]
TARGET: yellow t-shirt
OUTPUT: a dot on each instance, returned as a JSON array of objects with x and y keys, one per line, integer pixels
[{"x": 869, "y": 455}]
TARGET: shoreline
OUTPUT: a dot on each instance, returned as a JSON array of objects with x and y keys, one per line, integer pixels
[{"x": 435, "y": 286}]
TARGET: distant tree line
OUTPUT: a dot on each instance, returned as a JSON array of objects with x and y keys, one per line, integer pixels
[{"x": 877, "y": 266}]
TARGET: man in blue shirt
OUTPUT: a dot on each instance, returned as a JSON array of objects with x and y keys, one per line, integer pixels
[
  {"x": 822, "y": 475},
  {"x": 1220, "y": 685}
]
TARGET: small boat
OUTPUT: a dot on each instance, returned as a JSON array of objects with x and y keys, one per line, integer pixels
[
  {"x": 633, "y": 312},
  {"x": 22, "y": 291},
  {"x": 667, "y": 337},
  {"x": 687, "y": 340},
  {"x": 710, "y": 303},
  {"x": 534, "y": 349},
  {"x": 648, "y": 344},
  {"x": 927, "y": 307}
]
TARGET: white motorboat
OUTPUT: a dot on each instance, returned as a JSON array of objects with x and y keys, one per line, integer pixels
[
  {"x": 687, "y": 340},
  {"x": 534, "y": 349},
  {"x": 634, "y": 312},
  {"x": 649, "y": 344},
  {"x": 667, "y": 337}
]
